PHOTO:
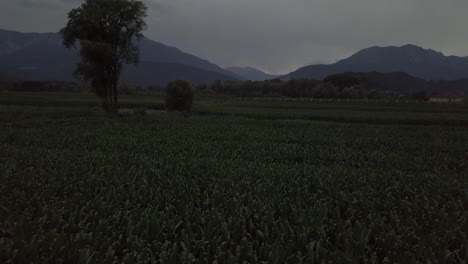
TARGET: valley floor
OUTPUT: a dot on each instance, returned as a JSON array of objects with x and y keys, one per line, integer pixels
[{"x": 271, "y": 182}]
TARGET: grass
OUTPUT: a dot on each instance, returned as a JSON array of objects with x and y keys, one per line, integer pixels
[{"x": 236, "y": 182}]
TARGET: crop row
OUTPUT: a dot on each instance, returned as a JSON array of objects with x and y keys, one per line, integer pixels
[{"x": 87, "y": 188}]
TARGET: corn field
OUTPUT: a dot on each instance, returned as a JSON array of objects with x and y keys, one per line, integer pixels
[{"x": 78, "y": 186}]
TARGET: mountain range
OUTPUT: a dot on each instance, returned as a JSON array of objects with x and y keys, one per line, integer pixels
[
  {"x": 41, "y": 56},
  {"x": 251, "y": 74},
  {"x": 418, "y": 62}
]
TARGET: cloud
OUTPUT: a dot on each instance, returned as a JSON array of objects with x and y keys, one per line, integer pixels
[
  {"x": 39, "y": 3},
  {"x": 47, "y": 3}
]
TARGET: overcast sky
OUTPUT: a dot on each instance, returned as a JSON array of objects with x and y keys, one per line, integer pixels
[{"x": 277, "y": 36}]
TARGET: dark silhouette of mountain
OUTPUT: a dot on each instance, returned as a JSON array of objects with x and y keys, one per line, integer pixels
[
  {"x": 248, "y": 73},
  {"x": 147, "y": 72},
  {"x": 41, "y": 56},
  {"x": 32, "y": 55},
  {"x": 11, "y": 41},
  {"x": 418, "y": 62},
  {"x": 153, "y": 51}
]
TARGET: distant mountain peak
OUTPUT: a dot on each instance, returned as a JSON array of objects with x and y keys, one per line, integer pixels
[
  {"x": 406, "y": 54},
  {"x": 411, "y": 59},
  {"x": 411, "y": 46},
  {"x": 406, "y": 47}
]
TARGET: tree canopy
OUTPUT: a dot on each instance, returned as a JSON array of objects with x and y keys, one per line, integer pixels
[
  {"x": 106, "y": 31},
  {"x": 179, "y": 96}
]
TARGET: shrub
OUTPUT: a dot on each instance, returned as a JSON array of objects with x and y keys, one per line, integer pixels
[{"x": 179, "y": 96}]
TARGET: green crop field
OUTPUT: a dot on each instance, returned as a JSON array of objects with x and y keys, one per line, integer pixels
[{"x": 237, "y": 182}]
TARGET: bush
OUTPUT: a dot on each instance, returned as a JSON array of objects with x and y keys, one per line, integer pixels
[{"x": 179, "y": 96}]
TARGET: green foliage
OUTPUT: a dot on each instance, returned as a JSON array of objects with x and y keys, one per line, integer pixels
[
  {"x": 6, "y": 86},
  {"x": 373, "y": 85},
  {"x": 179, "y": 96},
  {"x": 420, "y": 95},
  {"x": 272, "y": 187},
  {"x": 106, "y": 31},
  {"x": 296, "y": 88},
  {"x": 342, "y": 81},
  {"x": 45, "y": 86}
]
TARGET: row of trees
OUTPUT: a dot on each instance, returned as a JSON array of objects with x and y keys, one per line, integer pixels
[
  {"x": 42, "y": 86},
  {"x": 334, "y": 87},
  {"x": 302, "y": 88}
]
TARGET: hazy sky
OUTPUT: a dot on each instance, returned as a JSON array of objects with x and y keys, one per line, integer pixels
[{"x": 277, "y": 36}]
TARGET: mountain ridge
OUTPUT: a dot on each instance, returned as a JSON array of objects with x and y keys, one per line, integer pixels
[
  {"x": 41, "y": 56},
  {"x": 250, "y": 73},
  {"x": 423, "y": 63}
]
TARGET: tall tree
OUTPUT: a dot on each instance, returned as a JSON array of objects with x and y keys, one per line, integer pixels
[{"x": 106, "y": 31}]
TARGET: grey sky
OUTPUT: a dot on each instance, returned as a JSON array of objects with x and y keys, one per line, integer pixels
[{"x": 277, "y": 36}]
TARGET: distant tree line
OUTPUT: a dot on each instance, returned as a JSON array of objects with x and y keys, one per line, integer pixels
[
  {"x": 333, "y": 87},
  {"x": 42, "y": 86},
  {"x": 6, "y": 86},
  {"x": 340, "y": 86}
]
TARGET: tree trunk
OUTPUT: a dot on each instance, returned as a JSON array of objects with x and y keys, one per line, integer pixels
[
  {"x": 115, "y": 94},
  {"x": 109, "y": 97}
]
